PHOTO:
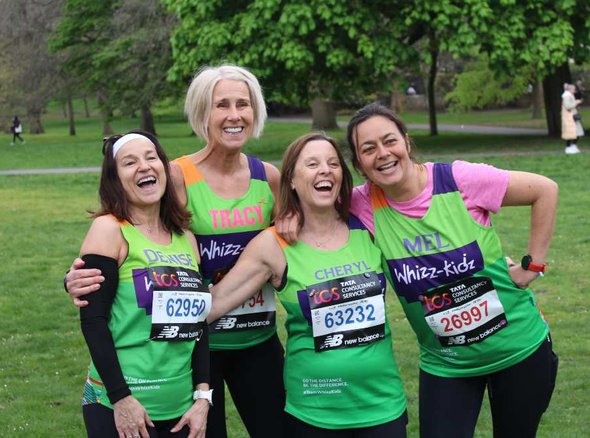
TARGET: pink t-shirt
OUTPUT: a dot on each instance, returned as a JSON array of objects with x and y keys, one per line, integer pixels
[{"x": 482, "y": 187}]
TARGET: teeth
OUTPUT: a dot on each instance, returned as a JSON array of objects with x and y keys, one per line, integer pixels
[
  {"x": 387, "y": 166},
  {"x": 236, "y": 130},
  {"x": 146, "y": 180},
  {"x": 323, "y": 185}
]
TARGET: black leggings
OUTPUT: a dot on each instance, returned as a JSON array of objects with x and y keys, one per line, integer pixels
[
  {"x": 295, "y": 428},
  {"x": 100, "y": 423},
  {"x": 16, "y": 135},
  {"x": 571, "y": 142},
  {"x": 254, "y": 377},
  {"x": 518, "y": 396}
]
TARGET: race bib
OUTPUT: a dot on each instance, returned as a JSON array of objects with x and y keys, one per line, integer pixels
[
  {"x": 347, "y": 312},
  {"x": 259, "y": 311},
  {"x": 464, "y": 312},
  {"x": 180, "y": 304}
]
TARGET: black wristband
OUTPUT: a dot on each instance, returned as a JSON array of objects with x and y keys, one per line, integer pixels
[{"x": 66, "y": 281}]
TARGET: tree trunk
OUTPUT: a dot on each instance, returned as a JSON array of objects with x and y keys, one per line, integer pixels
[
  {"x": 35, "y": 126},
  {"x": 397, "y": 99},
  {"x": 323, "y": 114},
  {"x": 147, "y": 120},
  {"x": 71, "y": 122},
  {"x": 105, "y": 113},
  {"x": 431, "y": 81},
  {"x": 86, "y": 110},
  {"x": 552, "y": 91},
  {"x": 538, "y": 99}
]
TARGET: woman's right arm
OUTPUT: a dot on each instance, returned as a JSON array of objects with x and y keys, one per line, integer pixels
[
  {"x": 104, "y": 248},
  {"x": 262, "y": 260}
]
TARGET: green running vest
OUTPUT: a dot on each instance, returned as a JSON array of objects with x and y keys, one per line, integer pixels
[
  {"x": 452, "y": 280},
  {"x": 223, "y": 227},
  {"x": 340, "y": 370},
  {"x": 156, "y": 283}
]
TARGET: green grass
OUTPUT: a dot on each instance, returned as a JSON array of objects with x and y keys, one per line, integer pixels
[{"x": 43, "y": 358}]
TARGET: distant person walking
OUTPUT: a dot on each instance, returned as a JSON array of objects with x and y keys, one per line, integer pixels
[
  {"x": 571, "y": 122},
  {"x": 16, "y": 130}
]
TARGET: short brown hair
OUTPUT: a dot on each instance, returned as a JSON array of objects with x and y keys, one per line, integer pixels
[
  {"x": 113, "y": 199},
  {"x": 365, "y": 113},
  {"x": 289, "y": 202}
]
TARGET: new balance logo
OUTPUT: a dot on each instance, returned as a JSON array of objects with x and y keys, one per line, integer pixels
[
  {"x": 332, "y": 341},
  {"x": 226, "y": 323},
  {"x": 169, "y": 331}
]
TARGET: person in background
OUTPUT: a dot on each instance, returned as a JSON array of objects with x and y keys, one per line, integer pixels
[
  {"x": 16, "y": 128},
  {"x": 146, "y": 329},
  {"x": 231, "y": 197},
  {"x": 477, "y": 323},
  {"x": 341, "y": 376},
  {"x": 571, "y": 122}
]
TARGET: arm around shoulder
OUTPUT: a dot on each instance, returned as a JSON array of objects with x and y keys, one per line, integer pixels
[
  {"x": 261, "y": 261},
  {"x": 274, "y": 180}
]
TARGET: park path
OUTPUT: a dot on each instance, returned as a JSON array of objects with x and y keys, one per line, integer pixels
[
  {"x": 473, "y": 129},
  {"x": 441, "y": 127}
]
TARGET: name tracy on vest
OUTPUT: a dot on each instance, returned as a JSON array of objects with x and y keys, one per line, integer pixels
[
  {"x": 424, "y": 243},
  {"x": 236, "y": 217},
  {"x": 341, "y": 270}
]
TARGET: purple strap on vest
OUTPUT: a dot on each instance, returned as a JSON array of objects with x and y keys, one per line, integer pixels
[
  {"x": 257, "y": 170},
  {"x": 443, "y": 180}
]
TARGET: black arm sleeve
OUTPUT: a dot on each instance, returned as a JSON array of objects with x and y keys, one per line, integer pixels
[
  {"x": 200, "y": 361},
  {"x": 94, "y": 320}
]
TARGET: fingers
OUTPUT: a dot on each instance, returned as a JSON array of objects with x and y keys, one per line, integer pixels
[
  {"x": 80, "y": 303},
  {"x": 183, "y": 420},
  {"x": 83, "y": 281},
  {"x": 78, "y": 263}
]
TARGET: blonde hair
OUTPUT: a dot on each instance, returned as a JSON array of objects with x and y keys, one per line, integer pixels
[{"x": 197, "y": 105}]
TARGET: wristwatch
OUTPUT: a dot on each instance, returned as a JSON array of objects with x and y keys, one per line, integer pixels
[
  {"x": 207, "y": 395},
  {"x": 528, "y": 265}
]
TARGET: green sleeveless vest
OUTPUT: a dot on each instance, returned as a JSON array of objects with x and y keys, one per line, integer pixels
[
  {"x": 223, "y": 227},
  {"x": 340, "y": 370},
  {"x": 452, "y": 280},
  {"x": 158, "y": 312}
]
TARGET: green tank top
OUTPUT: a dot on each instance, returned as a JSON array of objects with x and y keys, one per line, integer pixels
[
  {"x": 340, "y": 370},
  {"x": 159, "y": 311},
  {"x": 452, "y": 280},
  {"x": 223, "y": 227}
]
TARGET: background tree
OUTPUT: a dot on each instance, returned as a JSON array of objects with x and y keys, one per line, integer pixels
[
  {"x": 305, "y": 52},
  {"x": 542, "y": 36},
  {"x": 121, "y": 50},
  {"x": 478, "y": 87},
  {"x": 25, "y": 27},
  {"x": 442, "y": 26}
]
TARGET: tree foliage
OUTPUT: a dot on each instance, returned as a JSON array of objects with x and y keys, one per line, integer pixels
[
  {"x": 301, "y": 49},
  {"x": 121, "y": 49},
  {"x": 478, "y": 87}
]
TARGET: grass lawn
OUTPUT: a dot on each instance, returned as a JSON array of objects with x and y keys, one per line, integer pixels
[{"x": 42, "y": 353}]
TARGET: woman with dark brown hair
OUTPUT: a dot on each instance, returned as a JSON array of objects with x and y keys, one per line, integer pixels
[{"x": 146, "y": 329}]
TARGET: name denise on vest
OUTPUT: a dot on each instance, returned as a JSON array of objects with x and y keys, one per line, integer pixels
[{"x": 183, "y": 259}]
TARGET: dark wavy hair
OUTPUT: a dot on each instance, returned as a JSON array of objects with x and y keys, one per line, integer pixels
[
  {"x": 365, "y": 113},
  {"x": 289, "y": 202},
  {"x": 113, "y": 199}
]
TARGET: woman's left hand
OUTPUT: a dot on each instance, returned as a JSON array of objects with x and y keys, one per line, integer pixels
[
  {"x": 519, "y": 276},
  {"x": 196, "y": 418}
]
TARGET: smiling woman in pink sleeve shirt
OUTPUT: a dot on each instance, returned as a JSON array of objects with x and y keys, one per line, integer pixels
[{"x": 477, "y": 323}]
